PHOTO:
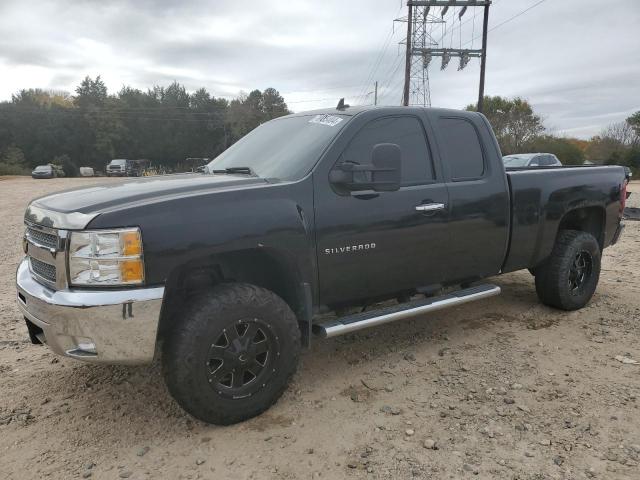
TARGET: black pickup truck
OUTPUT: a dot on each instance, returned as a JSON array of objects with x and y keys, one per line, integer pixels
[{"x": 235, "y": 269}]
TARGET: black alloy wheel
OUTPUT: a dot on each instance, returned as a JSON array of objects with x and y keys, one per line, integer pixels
[
  {"x": 568, "y": 278},
  {"x": 241, "y": 359},
  {"x": 580, "y": 271}
]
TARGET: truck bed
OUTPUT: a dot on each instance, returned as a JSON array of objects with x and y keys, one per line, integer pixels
[{"x": 541, "y": 198}]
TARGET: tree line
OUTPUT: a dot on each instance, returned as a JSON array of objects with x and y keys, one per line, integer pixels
[
  {"x": 168, "y": 124},
  {"x": 163, "y": 124},
  {"x": 520, "y": 130}
]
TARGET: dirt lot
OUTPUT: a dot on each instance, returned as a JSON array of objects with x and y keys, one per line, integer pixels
[{"x": 503, "y": 388}]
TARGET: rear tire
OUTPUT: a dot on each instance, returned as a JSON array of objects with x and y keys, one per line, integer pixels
[
  {"x": 232, "y": 354},
  {"x": 569, "y": 277}
]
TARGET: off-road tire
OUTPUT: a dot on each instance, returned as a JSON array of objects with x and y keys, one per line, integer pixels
[
  {"x": 187, "y": 348},
  {"x": 555, "y": 278}
]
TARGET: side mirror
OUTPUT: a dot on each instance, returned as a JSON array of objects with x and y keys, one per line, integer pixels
[{"x": 381, "y": 175}]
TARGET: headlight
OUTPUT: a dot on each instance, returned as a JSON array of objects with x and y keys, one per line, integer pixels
[{"x": 106, "y": 257}]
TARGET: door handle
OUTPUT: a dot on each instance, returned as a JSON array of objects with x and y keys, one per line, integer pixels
[{"x": 430, "y": 207}]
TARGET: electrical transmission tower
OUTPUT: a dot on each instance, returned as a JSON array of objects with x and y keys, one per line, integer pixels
[
  {"x": 420, "y": 26},
  {"x": 422, "y": 46}
]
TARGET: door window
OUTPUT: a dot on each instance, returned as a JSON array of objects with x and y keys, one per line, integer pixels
[
  {"x": 462, "y": 149},
  {"x": 408, "y": 134},
  {"x": 551, "y": 160}
]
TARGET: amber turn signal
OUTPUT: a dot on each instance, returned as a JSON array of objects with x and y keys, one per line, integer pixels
[
  {"x": 132, "y": 271},
  {"x": 131, "y": 243}
]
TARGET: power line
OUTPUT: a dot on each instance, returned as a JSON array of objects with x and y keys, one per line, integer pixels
[
  {"x": 322, "y": 89},
  {"x": 462, "y": 24},
  {"x": 510, "y": 18},
  {"x": 374, "y": 67},
  {"x": 392, "y": 71},
  {"x": 517, "y": 15},
  {"x": 376, "y": 63}
]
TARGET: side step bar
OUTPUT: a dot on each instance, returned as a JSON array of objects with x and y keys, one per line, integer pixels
[{"x": 351, "y": 323}]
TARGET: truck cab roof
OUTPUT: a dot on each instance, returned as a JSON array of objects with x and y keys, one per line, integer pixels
[{"x": 358, "y": 109}]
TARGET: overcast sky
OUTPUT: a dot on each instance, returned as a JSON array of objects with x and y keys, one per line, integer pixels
[{"x": 577, "y": 61}]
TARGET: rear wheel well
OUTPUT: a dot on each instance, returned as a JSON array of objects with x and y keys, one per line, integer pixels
[
  {"x": 261, "y": 267},
  {"x": 587, "y": 219}
]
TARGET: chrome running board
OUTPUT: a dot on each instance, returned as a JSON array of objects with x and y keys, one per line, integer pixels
[{"x": 351, "y": 323}]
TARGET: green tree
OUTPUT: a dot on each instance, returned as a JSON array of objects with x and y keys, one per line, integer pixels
[
  {"x": 513, "y": 120},
  {"x": 91, "y": 93},
  {"x": 248, "y": 111},
  {"x": 102, "y": 128},
  {"x": 70, "y": 169},
  {"x": 634, "y": 122},
  {"x": 632, "y": 158},
  {"x": 164, "y": 124},
  {"x": 273, "y": 104},
  {"x": 603, "y": 150},
  {"x": 37, "y": 97},
  {"x": 13, "y": 162},
  {"x": 565, "y": 149}
]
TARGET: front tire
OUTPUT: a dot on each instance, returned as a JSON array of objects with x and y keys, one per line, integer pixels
[
  {"x": 232, "y": 354},
  {"x": 568, "y": 278}
]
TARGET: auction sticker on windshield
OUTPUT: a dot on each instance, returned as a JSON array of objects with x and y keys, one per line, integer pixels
[{"x": 329, "y": 120}]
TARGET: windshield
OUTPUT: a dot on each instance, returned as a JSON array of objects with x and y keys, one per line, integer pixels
[
  {"x": 515, "y": 161},
  {"x": 43, "y": 168},
  {"x": 286, "y": 148},
  {"x": 118, "y": 162}
]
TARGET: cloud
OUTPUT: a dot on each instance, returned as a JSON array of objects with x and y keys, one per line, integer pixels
[{"x": 578, "y": 66}]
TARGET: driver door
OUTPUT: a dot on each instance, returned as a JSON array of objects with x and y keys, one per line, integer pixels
[{"x": 376, "y": 243}]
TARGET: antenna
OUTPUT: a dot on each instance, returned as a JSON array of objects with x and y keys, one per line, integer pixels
[{"x": 342, "y": 105}]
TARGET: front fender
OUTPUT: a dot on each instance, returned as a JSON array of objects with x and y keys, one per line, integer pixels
[{"x": 179, "y": 231}]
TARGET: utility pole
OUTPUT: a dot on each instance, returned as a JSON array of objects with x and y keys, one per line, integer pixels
[
  {"x": 483, "y": 59},
  {"x": 375, "y": 94},
  {"x": 407, "y": 65}
]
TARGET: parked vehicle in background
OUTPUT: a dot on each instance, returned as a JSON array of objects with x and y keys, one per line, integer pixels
[
  {"x": 86, "y": 172},
  {"x": 118, "y": 167},
  {"x": 193, "y": 165},
  {"x": 48, "y": 171},
  {"x": 121, "y": 167},
  {"x": 138, "y": 167},
  {"x": 43, "y": 171},
  {"x": 526, "y": 160},
  {"x": 311, "y": 213}
]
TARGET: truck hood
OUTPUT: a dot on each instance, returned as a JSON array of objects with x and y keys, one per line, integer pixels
[{"x": 87, "y": 202}]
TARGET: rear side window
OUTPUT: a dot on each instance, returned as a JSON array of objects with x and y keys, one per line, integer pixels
[
  {"x": 461, "y": 149},
  {"x": 408, "y": 134}
]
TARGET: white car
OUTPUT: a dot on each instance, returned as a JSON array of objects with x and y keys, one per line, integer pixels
[{"x": 525, "y": 160}]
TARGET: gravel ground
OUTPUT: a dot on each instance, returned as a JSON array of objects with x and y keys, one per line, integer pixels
[{"x": 504, "y": 388}]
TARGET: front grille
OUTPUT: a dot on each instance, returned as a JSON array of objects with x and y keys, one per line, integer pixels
[
  {"x": 48, "y": 240},
  {"x": 45, "y": 270}
]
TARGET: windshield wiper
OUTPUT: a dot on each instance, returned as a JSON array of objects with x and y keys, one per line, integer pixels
[{"x": 232, "y": 170}]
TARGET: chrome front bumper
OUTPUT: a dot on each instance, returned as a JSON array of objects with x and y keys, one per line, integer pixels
[{"x": 99, "y": 326}]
